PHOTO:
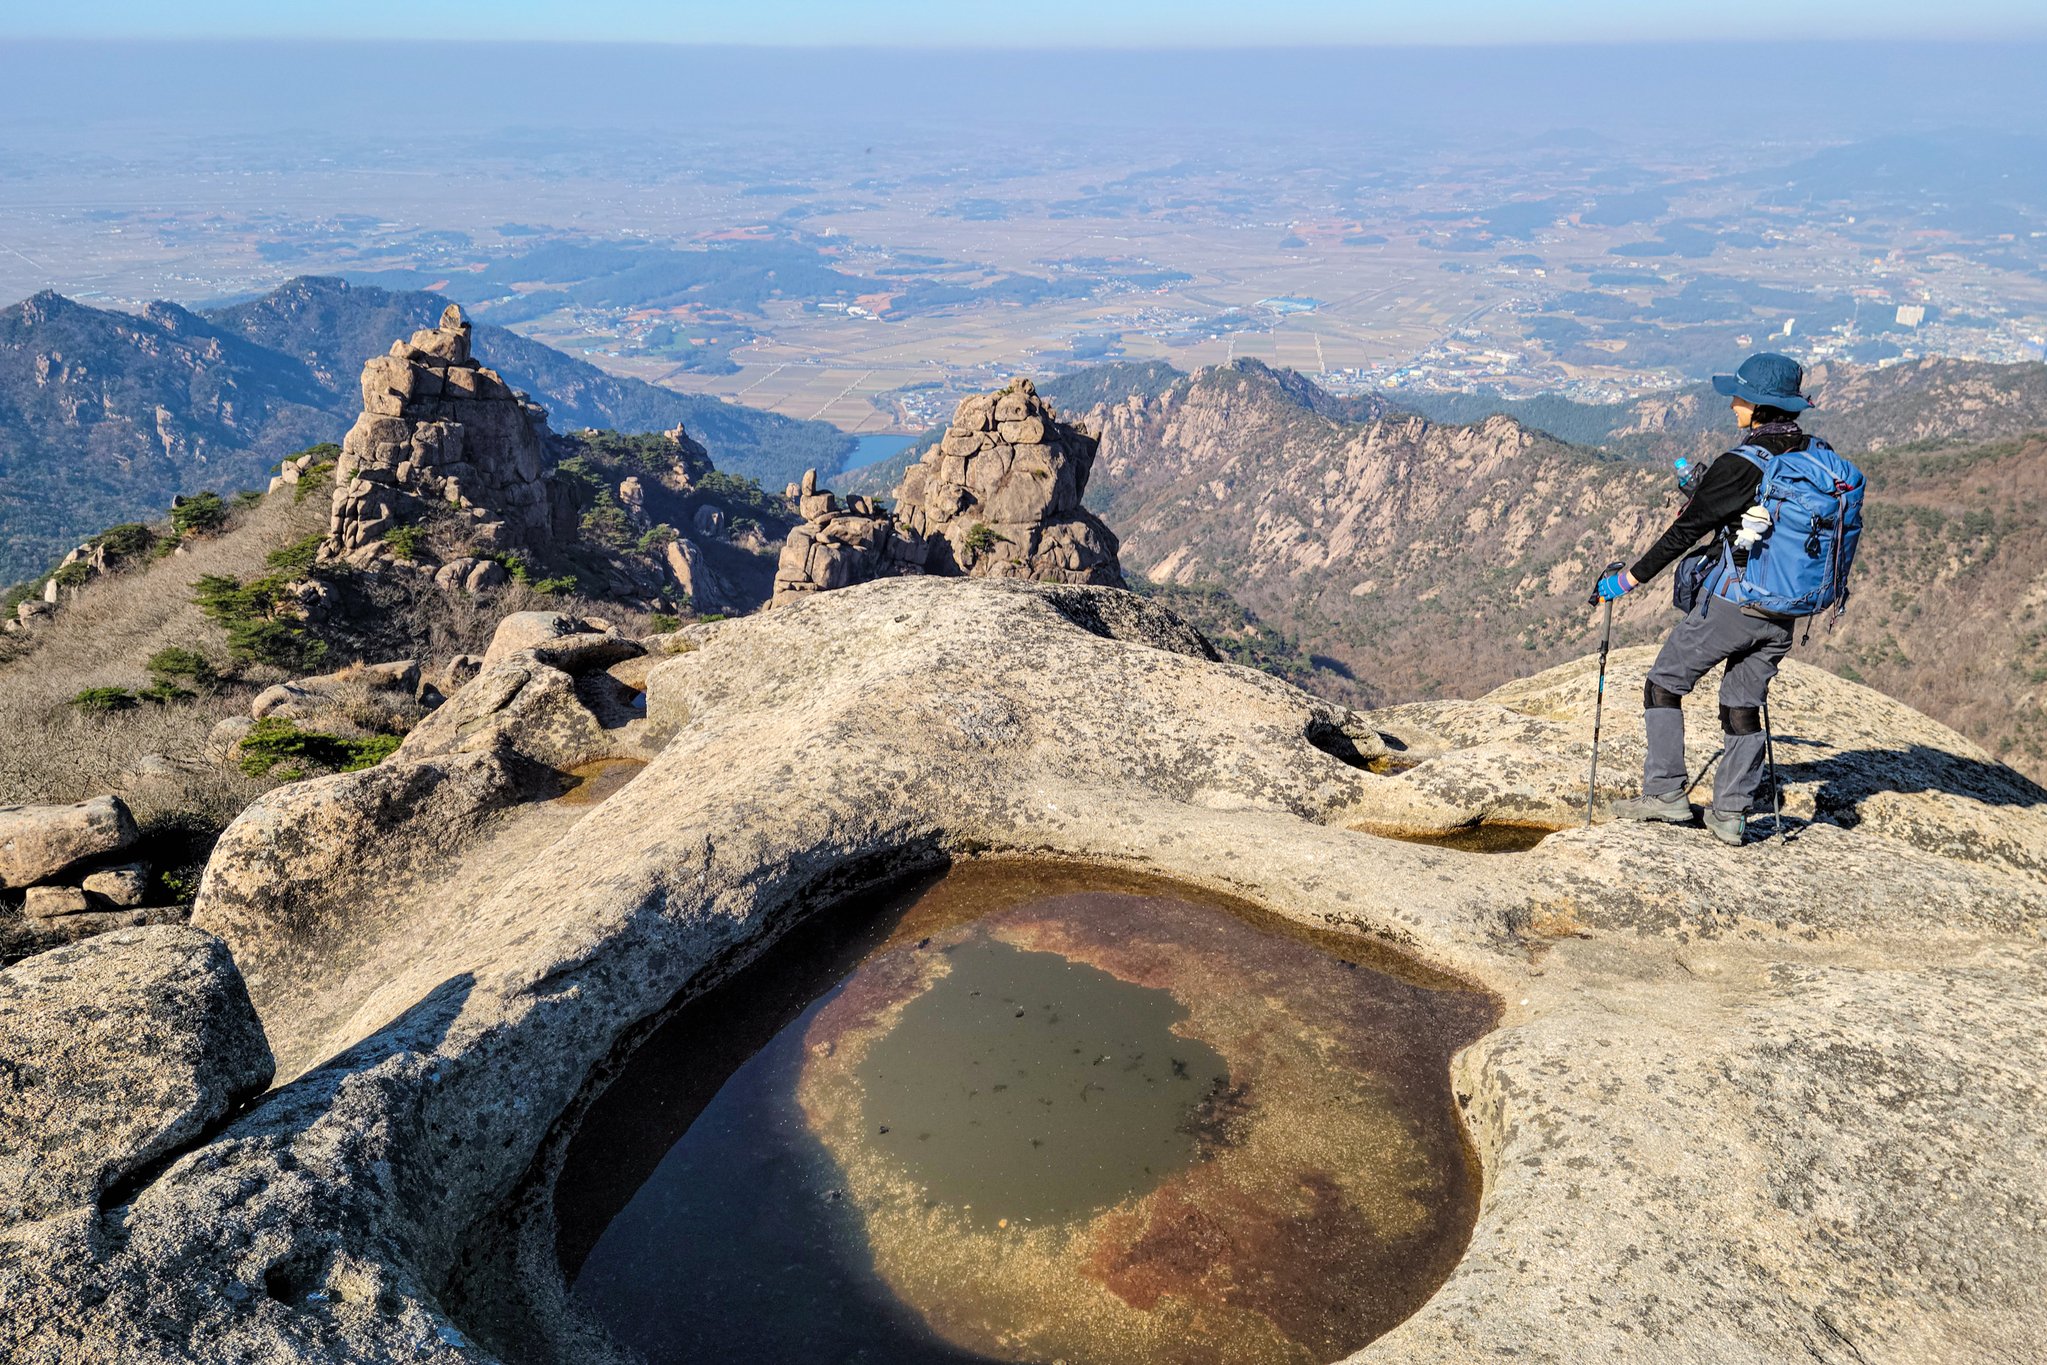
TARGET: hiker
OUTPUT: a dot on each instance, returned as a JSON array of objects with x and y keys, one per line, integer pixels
[{"x": 1785, "y": 513}]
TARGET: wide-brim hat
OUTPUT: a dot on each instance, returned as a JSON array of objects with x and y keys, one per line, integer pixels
[{"x": 1767, "y": 380}]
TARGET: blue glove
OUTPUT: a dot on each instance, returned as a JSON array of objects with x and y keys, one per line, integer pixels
[{"x": 1616, "y": 584}]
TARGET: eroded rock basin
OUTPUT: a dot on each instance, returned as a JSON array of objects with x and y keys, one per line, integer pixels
[{"x": 1032, "y": 1113}]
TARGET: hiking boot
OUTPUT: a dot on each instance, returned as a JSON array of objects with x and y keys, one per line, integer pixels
[
  {"x": 1728, "y": 829},
  {"x": 1674, "y": 807}
]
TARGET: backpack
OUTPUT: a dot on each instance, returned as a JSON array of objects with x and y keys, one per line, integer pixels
[{"x": 1800, "y": 566}]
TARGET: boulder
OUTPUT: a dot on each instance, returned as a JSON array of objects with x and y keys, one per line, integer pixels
[
  {"x": 999, "y": 496},
  {"x": 303, "y": 697},
  {"x": 524, "y": 630},
  {"x": 113, "y": 1053},
  {"x": 488, "y": 573},
  {"x": 125, "y": 886},
  {"x": 38, "y": 843},
  {"x": 48, "y": 902},
  {"x": 226, "y": 737}
]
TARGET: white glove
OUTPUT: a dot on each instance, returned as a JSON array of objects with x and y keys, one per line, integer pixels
[{"x": 1755, "y": 524}]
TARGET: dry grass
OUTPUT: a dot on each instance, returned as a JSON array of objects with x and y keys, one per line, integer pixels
[{"x": 104, "y": 634}]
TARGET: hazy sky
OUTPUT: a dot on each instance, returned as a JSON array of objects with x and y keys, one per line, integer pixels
[{"x": 1058, "y": 23}]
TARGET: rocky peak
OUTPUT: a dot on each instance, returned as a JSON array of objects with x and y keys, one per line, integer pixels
[
  {"x": 998, "y": 497},
  {"x": 439, "y": 429}
]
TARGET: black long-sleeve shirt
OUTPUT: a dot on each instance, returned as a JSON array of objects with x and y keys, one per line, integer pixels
[{"x": 1727, "y": 489}]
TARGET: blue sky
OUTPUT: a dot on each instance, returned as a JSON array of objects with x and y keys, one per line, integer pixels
[{"x": 996, "y": 28}]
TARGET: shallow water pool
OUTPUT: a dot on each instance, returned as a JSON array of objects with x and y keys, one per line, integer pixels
[{"x": 1031, "y": 1113}]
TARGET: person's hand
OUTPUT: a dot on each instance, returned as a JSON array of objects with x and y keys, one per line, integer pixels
[{"x": 1617, "y": 584}]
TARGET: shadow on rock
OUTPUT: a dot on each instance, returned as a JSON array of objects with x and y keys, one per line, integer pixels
[{"x": 1847, "y": 779}]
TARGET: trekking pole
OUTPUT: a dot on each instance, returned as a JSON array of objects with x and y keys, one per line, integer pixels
[
  {"x": 1703, "y": 771},
  {"x": 1599, "y": 702},
  {"x": 1770, "y": 762}
]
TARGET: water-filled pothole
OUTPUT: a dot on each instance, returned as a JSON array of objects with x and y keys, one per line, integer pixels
[
  {"x": 593, "y": 783},
  {"x": 1052, "y": 1114},
  {"x": 1482, "y": 838}
]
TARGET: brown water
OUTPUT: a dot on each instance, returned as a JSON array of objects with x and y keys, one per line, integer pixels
[
  {"x": 1032, "y": 1113},
  {"x": 591, "y": 784},
  {"x": 1031, "y": 1087},
  {"x": 1482, "y": 838}
]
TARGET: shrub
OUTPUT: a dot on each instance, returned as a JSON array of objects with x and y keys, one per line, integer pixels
[
  {"x": 315, "y": 478},
  {"x": 276, "y": 745},
  {"x": 261, "y": 627},
  {"x": 200, "y": 512},
  {"x": 657, "y": 539},
  {"x": 406, "y": 541},
  {"x": 556, "y": 587},
  {"x": 298, "y": 557},
  {"x": 660, "y": 623},
  {"x": 981, "y": 539},
  {"x": 73, "y": 575},
  {"x": 126, "y": 541},
  {"x": 174, "y": 664},
  {"x": 104, "y": 701},
  {"x": 514, "y": 564},
  {"x": 248, "y": 497}
]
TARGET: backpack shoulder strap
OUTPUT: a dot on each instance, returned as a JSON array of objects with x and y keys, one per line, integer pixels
[{"x": 1755, "y": 455}]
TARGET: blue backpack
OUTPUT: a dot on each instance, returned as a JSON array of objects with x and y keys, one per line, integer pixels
[{"x": 1800, "y": 566}]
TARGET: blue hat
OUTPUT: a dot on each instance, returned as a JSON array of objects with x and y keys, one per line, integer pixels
[{"x": 1767, "y": 380}]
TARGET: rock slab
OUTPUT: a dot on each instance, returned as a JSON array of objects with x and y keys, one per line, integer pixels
[{"x": 113, "y": 1052}]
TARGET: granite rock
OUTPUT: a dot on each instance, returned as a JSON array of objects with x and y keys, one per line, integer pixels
[
  {"x": 1757, "y": 1104},
  {"x": 114, "y": 1052}
]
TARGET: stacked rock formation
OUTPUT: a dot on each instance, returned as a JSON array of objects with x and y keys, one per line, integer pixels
[
  {"x": 998, "y": 497},
  {"x": 437, "y": 428},
  {"x": 73, "y": 870},
  {"x": 840, "y": 545}
]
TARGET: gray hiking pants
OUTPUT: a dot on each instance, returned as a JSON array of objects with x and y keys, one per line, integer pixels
[{"x": 1752, "y": 646}]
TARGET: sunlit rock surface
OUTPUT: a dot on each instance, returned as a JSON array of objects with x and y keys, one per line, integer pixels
[{"x": 1761, "y": 1104}]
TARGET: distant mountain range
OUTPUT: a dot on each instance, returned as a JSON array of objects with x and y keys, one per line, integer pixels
[
  {"x": 1430, "y": 560},
  {"x": 105, "y": 415}
]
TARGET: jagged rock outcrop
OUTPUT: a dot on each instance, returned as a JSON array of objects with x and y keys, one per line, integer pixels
[
  {"x": 999, "y": 497},
  {"x": 838, "y": 545},
  {"x": 1760, "y": 1104},
  {"x": 439, "y": 430}
]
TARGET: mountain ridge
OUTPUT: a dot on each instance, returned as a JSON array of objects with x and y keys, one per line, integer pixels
[
  {"x": 1434, "y": 560},
  {"x": 105, "y": 415}
]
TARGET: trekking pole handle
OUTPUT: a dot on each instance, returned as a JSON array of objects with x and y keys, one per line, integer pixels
[{"x": 1614, "y": 567}]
